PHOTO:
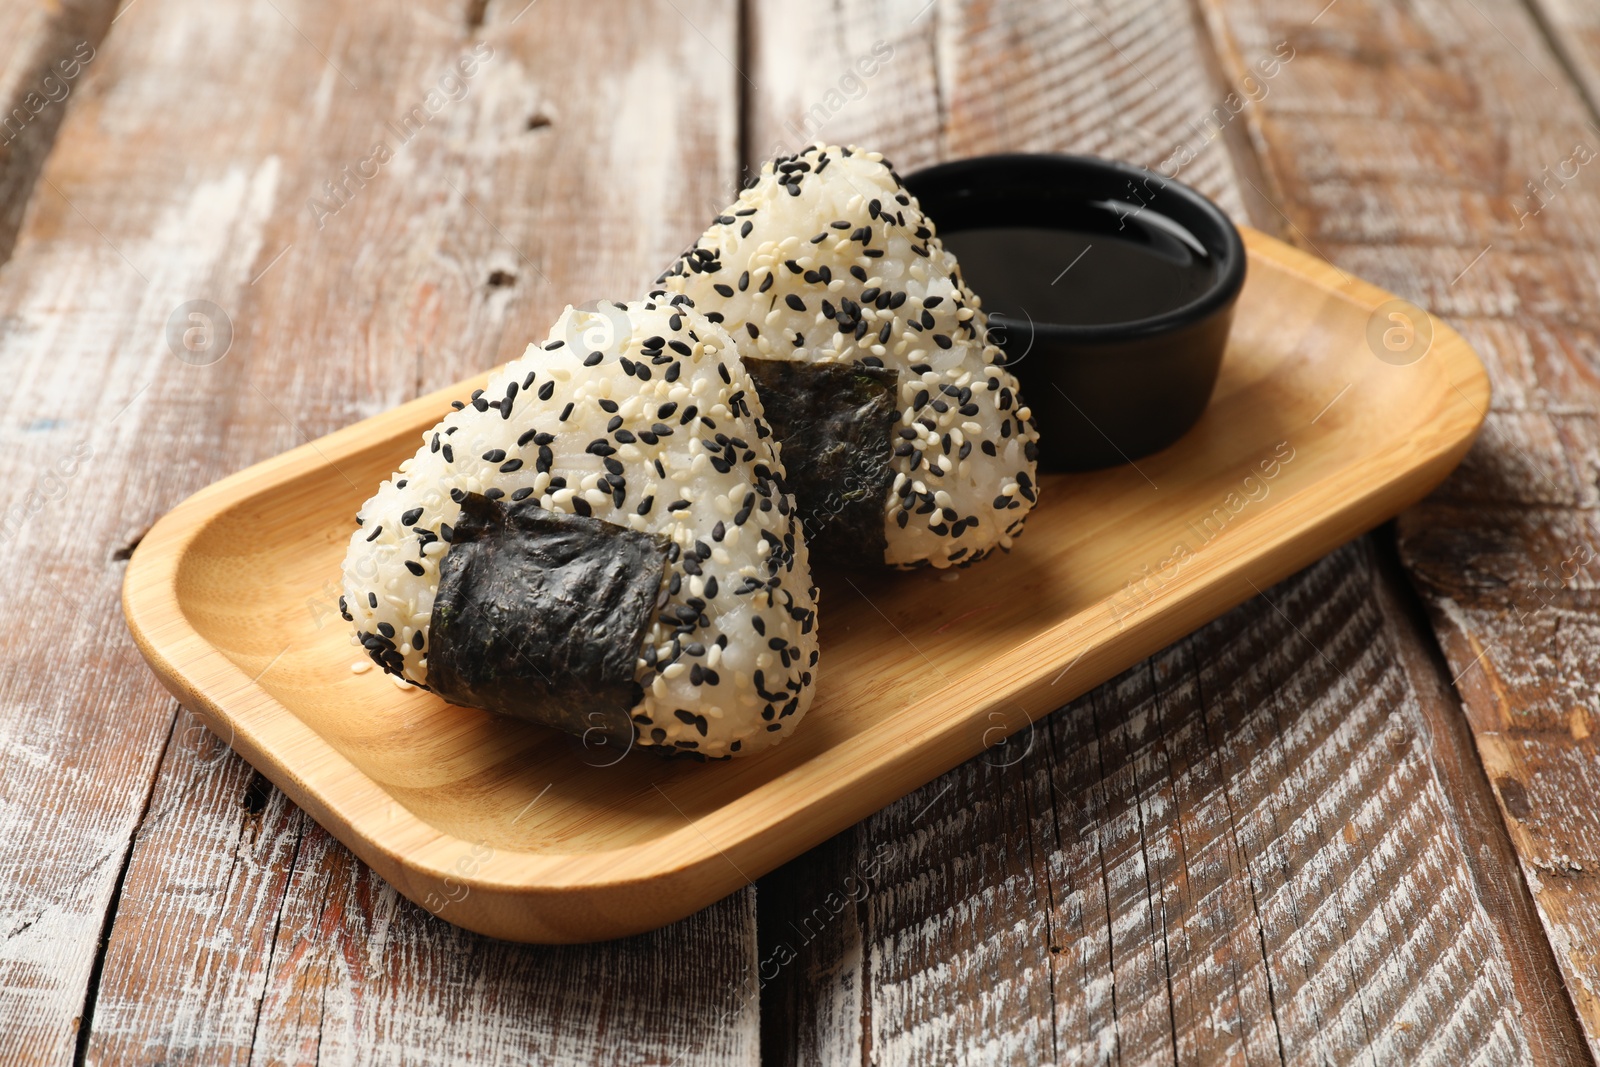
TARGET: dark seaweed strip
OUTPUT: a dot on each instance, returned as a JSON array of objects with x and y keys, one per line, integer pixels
[
  {"x": 836, "y": 424},
  {"x": 540, "y": 615}
]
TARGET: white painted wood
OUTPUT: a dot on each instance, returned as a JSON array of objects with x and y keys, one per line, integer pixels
[
  {"x": 1451, "y": 158},
  {"x": 192, "y": 147},
  {"x": 1240, "y": 851}
]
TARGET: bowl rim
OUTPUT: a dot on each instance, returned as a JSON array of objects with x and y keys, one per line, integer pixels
[{"x": 1221, "y": 237}]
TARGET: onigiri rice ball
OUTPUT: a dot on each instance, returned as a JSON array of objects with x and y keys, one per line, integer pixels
[
  {"x": 605, "y": 522},
  {"x": 826, "y": 259}
]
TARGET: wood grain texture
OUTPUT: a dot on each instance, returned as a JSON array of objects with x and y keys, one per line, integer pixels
[
  {"x": 1234, "y": 852},
  {"x": 257, "y": 938},
  {"x": 968, "y": 78},
  {"x": 1449, "y": 156},
  {"x": 195, "y": 142},
  {"x": 1240, "y": 851},
  {"x": 48, "y": 46}
]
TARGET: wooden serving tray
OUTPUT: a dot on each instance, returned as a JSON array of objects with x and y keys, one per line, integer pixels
[{"x": 512, "y": 830}]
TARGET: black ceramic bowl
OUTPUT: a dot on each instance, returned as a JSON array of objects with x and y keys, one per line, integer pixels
[{"x": 1134, "y": 369}]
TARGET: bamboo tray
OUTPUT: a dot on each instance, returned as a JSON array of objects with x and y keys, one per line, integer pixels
[{"x": 511, "y": 830}]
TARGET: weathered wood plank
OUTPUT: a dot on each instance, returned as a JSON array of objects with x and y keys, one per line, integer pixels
[
  {"x": 956, "y": 79},
  {"x": 1236, "y": 852},
  {"x": 227, "y": 153},
  {"x": 247, "y": 934},
  {"x": 48, "y": 46},
  {"x": 1446, "y": 157},
  {"x": 1250, "y": 848}
]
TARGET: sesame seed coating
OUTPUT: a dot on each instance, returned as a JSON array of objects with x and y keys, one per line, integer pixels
[
  {"x": 843, "y": 267},
  {"x": 686, "y": 454}
]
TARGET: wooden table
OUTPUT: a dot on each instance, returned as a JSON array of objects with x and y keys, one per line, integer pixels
[{"x": 1355, "y": 820}]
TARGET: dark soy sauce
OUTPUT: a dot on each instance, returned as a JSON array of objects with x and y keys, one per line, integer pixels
[{"x": 1084, "y": 265}]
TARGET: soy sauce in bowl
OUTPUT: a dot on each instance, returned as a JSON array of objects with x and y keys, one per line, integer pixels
[
  {"x": 1111, "y": 289},
  {"x": 1105, "y": 265}
]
